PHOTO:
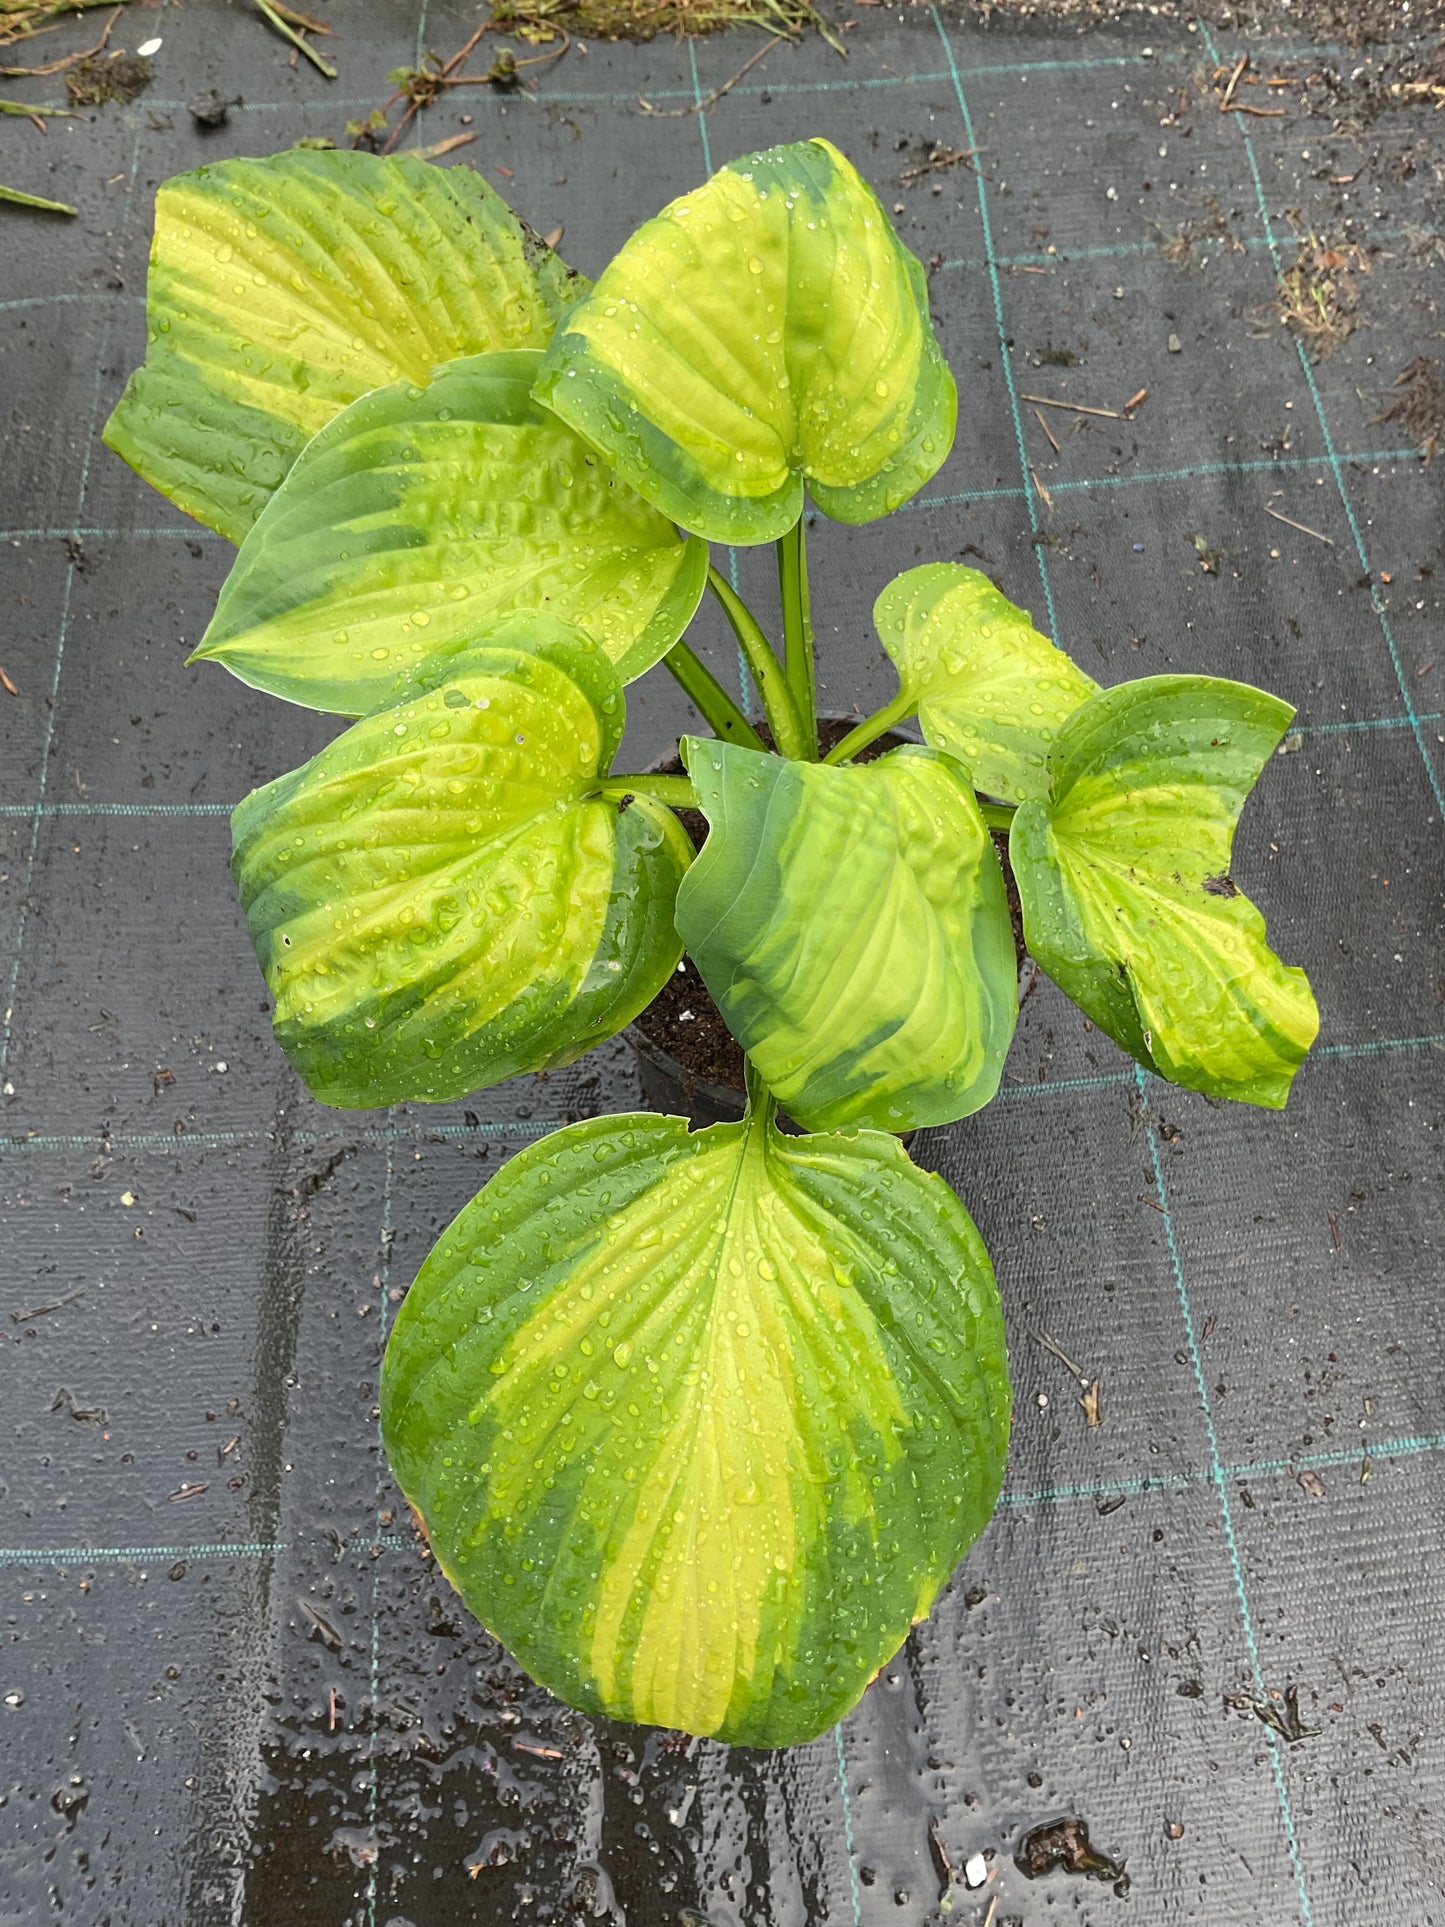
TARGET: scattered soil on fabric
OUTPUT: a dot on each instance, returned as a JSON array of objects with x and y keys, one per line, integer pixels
[
  {"x": 109, "y": 77},
  {"x": 1420, "y": 404},
  {"x": 684, "y": 1021},
  {"x": 1353, "y": 21}
]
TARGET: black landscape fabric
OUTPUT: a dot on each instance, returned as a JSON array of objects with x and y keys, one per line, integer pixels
[{"x": 232, "y": 1686}]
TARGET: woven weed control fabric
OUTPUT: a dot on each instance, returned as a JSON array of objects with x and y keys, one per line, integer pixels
[{"x": 234, "y": 1688}]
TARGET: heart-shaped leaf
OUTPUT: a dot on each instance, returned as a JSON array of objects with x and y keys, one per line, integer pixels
[
  {"x": 987, "y": 686},
  {"x": 767, "y": 330},
  {"x": 699, "y": 1423},
  {"x": 420, "y": 513},
  {"x": 852, "y": 927},
  {"x": 1127, "y": 898},
  {"x": 282, "y": 289},
  {"x": 440, "y": 900}
]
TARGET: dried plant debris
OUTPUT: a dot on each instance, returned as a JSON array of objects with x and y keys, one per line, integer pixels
[
  {"x": 116, "y": 76},
  {"x": 1419, "y": 404},
  {"x": 1278, "y": 1711},
  {"x": 1318, "y": 297},
  {"x": 22, "y": 19},
  {"x": 645, "y": 19},
  {"x": 1360, "y": 86},
  {"x": 1204, "y": 230},
  {"x": 1063, "y": 1846}
]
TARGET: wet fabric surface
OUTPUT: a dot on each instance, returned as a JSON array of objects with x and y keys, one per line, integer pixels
[{"x": 233, "y": 1686}]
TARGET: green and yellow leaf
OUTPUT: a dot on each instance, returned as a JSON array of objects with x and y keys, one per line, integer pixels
[
  {"x": 419, "y": 514},
  {"x": 700, "y": 1423},
  {"x": 766, "y": 331},
  {"x": 987, "y": 686},
  {"x": 439, "y": 900},
  {"x": 1128, "y": 903},
  {"x": 282, "y": 289},
  {"x": 852, "y": 927}
]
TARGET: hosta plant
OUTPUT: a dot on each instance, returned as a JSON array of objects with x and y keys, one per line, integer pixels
[{"x": 698, "y": 1422}]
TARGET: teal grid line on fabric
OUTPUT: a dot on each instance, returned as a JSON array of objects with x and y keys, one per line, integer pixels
[
  {"x": 224, "y": 810},
  {"x": 1368, "y": 1453},
  {"x": 548, "y": 95},
  {"x": 416, "y": 1130},
  {"x": 1154, "y": 476},
  {"x": 1226, "y": 1514},
  {"x": 420, "y": 1131},
  {"x": 848, "y": 1847},
  {"x": 65, "y": 300},
  {"x": 997, "y": 295},
  {"x": 1379, "y": 1453},
  {"x": 1062, "y": 256},
  {"x": 1377, "y": 602},
  {"x": 1143, "y": 477}
]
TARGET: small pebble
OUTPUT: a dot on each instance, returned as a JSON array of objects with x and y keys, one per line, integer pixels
[
  {"x": 1176, "y": 346},
  {"x": 147, "y": 48},
  {"x": 210, "y": 109},
  {"x": 975, "y": 1870}
]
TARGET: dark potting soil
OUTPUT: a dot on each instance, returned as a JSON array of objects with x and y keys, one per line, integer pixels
[{"x": 683, "y": 1020}]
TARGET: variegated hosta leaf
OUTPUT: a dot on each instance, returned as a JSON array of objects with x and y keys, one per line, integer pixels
[
  {"x": 1127, "y": 898},
  {"x": 282, "y": 289},
  {"x": 420, "y": 513},
  {"x": 700, "y": 1423},
  {"x": 852, "y": 927},
  {"x": 987, "y": 686},
  {"x": 767, "y": 330},
  {"x": 439, "y": 901}
]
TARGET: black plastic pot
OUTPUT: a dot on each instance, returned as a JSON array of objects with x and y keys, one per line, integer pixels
[{"x": 668, "y": 1087}]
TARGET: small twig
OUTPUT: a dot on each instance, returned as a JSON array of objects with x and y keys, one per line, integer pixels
[
  {"x": 425, "y": 97},
  {"x": 1326, "y": 539},
  {"x": 1033, "y": 477},
  {"x": 35, "y": 113},
  {"x": 41, "y": 1311},
  {"x": 302, "y": 20},
  {"x": 499, "y": 76},
  {"x": 1048, "y": 431},
  {"x": 1063, "y": 1357},
  {"x": 1074, "y": 407},
  {"x": 1136, "y": 401},
  {"x": 949, "y": 158},
  {"x": 70, "y": 60},
  {"x": 701, "y": 106},
  {"x": 992, "y": 1910},
  {"x": 1233, "y": 83},
  {"x": 1260, "y": 113},
  {"x": 14, "y": 691},
  {"x": 299, "y": 41},
  {"x": 331, "y": 1720},
  {"x": 35, "y": 200},
  {"x": 438, "y": 148}
]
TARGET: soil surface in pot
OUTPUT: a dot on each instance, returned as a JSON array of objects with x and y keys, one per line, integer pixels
[{"x": 683, "y": 1020}]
